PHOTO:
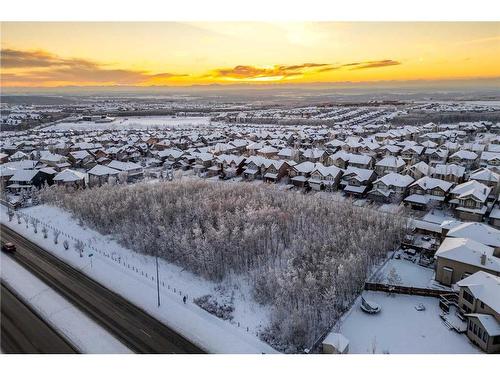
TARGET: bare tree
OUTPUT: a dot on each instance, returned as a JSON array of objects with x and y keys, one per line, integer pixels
[
  {"x": 65, "y": 244},
  {"x": 45, "y": 231},
  {"x": 79, "y": 246},
  {"x": 34, "y": 224},
  {"x": 56, "y": 233},
  {"x": 10, "y": 212}
]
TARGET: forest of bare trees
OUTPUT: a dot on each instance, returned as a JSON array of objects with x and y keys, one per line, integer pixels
[{"x": 307, "y": 258}]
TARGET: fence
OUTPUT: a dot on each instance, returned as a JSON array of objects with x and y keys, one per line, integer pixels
[
  {"x": 22, "y": 218},
  {"x": 401, "y": 289}
]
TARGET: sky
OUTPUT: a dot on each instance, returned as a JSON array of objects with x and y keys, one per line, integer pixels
[{"x": 55, "y": 54}]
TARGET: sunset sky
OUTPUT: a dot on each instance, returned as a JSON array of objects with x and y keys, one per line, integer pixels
[{"x": 173, "y": 53}]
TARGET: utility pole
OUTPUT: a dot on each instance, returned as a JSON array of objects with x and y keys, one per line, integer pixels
[{"x": 157, "y": 279}]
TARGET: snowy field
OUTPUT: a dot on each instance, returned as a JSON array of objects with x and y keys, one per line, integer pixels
[
  {"x": 400, "y": 329},
  {"x": 86, "y": 335},
  {"x": 132, "y": 275},
  {"x": 138, "y": 122}
]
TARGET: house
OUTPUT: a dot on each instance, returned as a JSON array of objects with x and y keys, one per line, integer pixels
[
  {"x": 24, "y": 179},
  {"x": 490, "y": 159},
  {"x": 132, "y": 171},
  {"x": 313, "y": 155},
  {"x": 419, "y": 170},
  {"x": 70, "y": 178},
  {"x": 469, "y": 200},
  {"x": 391, "y": 187},
  {"x": 80, "y": 159},
  {"x": 435, "y": 155},
  {"x": 457, "y": 258},
  {"x": 479, "y": 299},
  {"x": 412, "y": 154},
  {"x": 449, "y": 172},
  {"x": 389, "y": 164},
  {"x": 300, "y": 173},
  {"x": 324, "y": 178},
  {"x": 427, "y": 191},
  {"x": 275, "y": 170},
  {"x": 100, "y": 174},
  {"x": 465, "y": 158},
  {"x": 230, "y": 165},
  {"x": 486, "y": 177},
  {"x": 357, "y": 181}
]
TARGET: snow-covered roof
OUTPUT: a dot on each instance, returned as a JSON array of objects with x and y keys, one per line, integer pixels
[
  {"x": 69, "y": 175},
  {"x": 465, "y": 250},
  {"x": 102, "y": 170},
  {"x": 464, "y": 154},
  {"x": 472, "y": 188},
  {"x": 391, "y": 161},
  {"x": 485, "y": 287},
  {"x": 484, "y": 174},
  {"x": 123, "y": 166},
  {"x": 427, "y": 182},
  {"x": 337, "y": 340},
  {"x": 395, "y": 179},
  {"x": 479, "y": 232},
  {"x": 449, "y": 169},
  {"x": 489, "y": 323},
  {"x": 23, "y": 175}
]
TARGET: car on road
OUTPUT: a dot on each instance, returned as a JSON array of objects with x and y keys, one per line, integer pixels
[{"x": 9, "y": 247}]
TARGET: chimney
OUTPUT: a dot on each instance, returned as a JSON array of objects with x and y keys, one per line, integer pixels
[
  {"x": 484, "y": 191},
  {"x": 483, "y": 259}
]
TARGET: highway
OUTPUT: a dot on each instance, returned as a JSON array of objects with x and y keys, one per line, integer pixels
[
  {"x": 128, "y": 323},
  {"x": 24, "y": 331}
]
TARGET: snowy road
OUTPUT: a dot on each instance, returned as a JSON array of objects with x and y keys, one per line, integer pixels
[
  {"x": 131, "y": 325},
  {"x": 24, "y": 331}
]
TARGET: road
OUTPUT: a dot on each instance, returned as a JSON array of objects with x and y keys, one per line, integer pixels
[
  {"x": 24, "y": 331},
  {"x": 130, "y": 324}
]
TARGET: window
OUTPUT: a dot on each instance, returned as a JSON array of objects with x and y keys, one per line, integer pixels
[
  {"x": 470, "y": 325},
  {"x": 496, "y": 340},
  {"x": 482, "y": 304},
  {"x": 467, "y": 296},
  {"x": 479, "y": 332},
  {"x": 475, "y": 329},
  {"x": 485, "y": 336}
]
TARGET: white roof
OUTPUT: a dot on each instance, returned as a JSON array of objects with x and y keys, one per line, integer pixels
[
  {"x": 478, "y": 232},
  {"x": 391, "y": 161},
  {"x": 485, "y": 174},
  {"x": 123, "y": 166},
  {"x": 449, "y": 169},
  {"x": 474, "y": 188},
  {"x": 396, "y": 179},
  {"x": 23, "y": 175},
  {"x": 484, "y": 286},
  {"x": 102, "y": 170},
  {"x": 489, "y": 323},
  {"x": 464, "y": 154},
  {"x": 431, "y": 183},
  {"x": 69, "y": 175},
  {"x": 467, "y": 251},
  {"x": 337, "y": 340}
]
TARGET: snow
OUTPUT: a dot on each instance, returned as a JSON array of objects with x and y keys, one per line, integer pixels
[
  {"x": 400, "y": 328},
  {"x": 410, "y": 274},
  {"x": 86, "y": 335},
  {"x": 197, "y": 325},
  {"x": 132, "y": 122}
]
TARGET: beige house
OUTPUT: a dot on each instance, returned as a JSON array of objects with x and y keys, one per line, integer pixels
[
  {"x": 458, "y": 258},
  {"x": 479, "y": 298}
]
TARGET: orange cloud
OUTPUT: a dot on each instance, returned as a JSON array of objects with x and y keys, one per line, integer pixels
[{"x": 41, "y": 67}]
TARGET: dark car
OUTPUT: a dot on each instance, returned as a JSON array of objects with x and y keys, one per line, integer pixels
[{"x": 9, "y": 247}]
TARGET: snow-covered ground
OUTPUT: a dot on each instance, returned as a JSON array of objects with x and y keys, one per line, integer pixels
[
  {"x": 406, "y": 273},
  {"x": 136, "y": 122},
  {"x": 400, "y": 328},
  {"x": 69, "y": 321},
  {"x": 132, "y": 275},
  {"x": 438, "y": 216}
]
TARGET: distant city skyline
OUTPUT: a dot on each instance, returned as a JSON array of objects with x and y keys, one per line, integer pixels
[{"x": 52, "y": 54}]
